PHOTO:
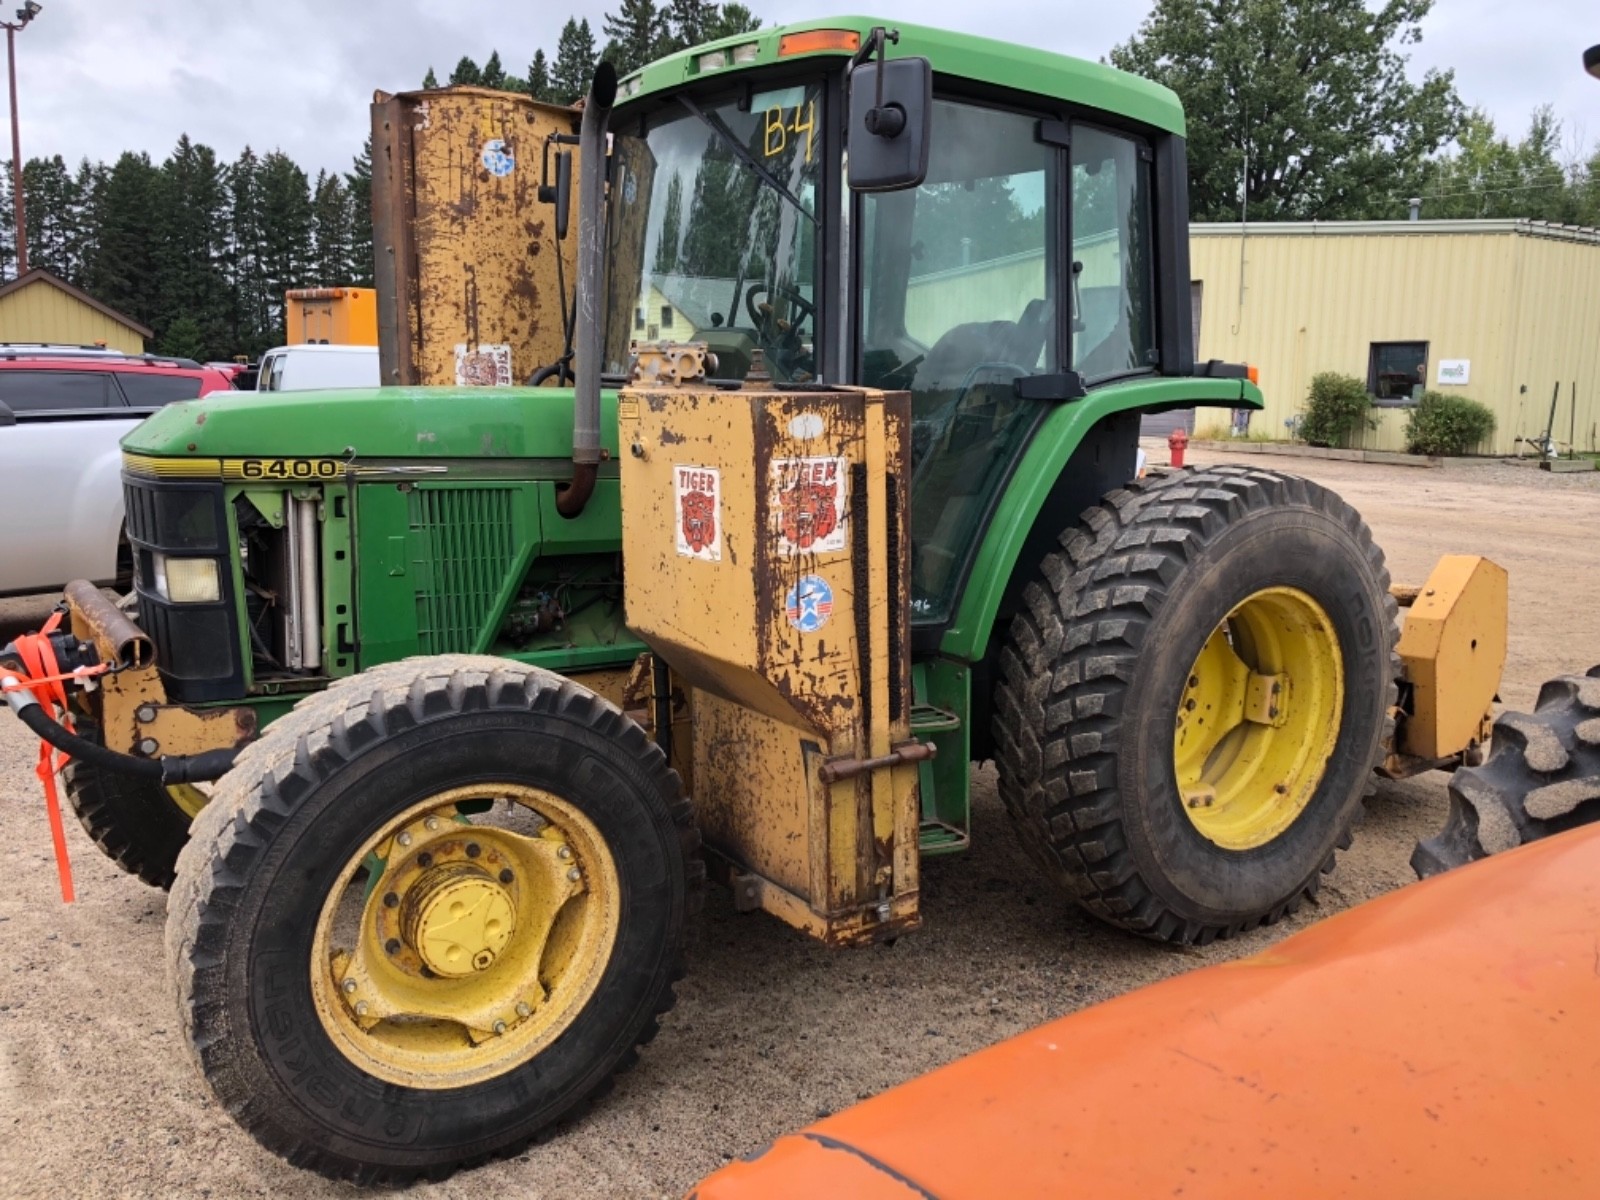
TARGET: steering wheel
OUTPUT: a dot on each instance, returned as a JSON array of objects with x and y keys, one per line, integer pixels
[
  {"x": 761, "y": 314},
  {"x": 786, "y": 348}
]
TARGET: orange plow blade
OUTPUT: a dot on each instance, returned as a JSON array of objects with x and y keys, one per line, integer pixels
[{"x": 1443, "y": 1040}]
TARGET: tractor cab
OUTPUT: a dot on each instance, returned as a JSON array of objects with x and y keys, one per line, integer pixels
[{"x": 1004, "y": 262}]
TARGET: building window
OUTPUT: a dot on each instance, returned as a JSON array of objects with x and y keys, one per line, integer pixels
[
  {"x": 666, "y": 316},
  {"x": 638, "y": 318},
  {"x": 1397, "y": 372}
]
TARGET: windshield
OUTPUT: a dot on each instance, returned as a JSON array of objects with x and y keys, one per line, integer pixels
[{"x": 713, "y": 232}]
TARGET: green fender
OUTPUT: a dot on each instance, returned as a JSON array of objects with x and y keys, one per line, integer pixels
[{"x": 967, "y": 637}]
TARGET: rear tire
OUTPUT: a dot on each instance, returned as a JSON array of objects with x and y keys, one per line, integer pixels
[
  {"x": 311, "y": 799},
  {"x": 1542, "y": 776},
  {"x": 135, "y": 821},
  {"x": 1093, "y": 676}
]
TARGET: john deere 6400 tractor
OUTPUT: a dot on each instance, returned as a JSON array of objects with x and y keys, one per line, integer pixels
[{"x": 888, "y": 307}]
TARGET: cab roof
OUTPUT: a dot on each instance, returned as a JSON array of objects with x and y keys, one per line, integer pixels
[{"x": 959, "y": 55}]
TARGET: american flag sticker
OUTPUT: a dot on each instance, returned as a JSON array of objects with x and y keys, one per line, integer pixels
[{"x": 809, "y": 603}]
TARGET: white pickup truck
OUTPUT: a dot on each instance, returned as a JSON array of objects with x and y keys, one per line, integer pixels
[{"x": 63, "y": 411}]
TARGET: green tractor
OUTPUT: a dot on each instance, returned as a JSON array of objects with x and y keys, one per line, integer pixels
[{"x": 437, "y": 893}]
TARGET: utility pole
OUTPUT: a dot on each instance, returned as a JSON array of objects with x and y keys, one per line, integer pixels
[{"x": 26, "y": 13}]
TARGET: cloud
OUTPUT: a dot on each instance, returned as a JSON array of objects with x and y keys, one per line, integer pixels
[{"x": 103, "y": 76}]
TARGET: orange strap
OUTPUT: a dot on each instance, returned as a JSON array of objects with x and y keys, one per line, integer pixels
[{"x": 44, "y": 680}]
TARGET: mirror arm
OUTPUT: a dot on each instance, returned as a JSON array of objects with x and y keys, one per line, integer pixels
[{"x": 884, "y": 122}]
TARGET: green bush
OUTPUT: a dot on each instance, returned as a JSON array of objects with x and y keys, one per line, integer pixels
[
  {"x": 1447, "y": 424},
  {"x": 1336, "y": 407}
]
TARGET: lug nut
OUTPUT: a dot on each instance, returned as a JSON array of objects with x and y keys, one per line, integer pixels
[
  {"x": 349, "y": 986},
  {"x": 390, "y": 900},
  {"x": 499, "y": 1027},
  {"x": 404, "y": 839},
  {"x": 563, "y": 851},
  {"x": 574, "y": 874},
  {"x": 361, "y": 1008},
  {"x": 523, "y": 1009},
  {"x": 505, "y": 875},
  {"x": 148, "y": 746},
  {"x": 392, "y": 945},
  {"x": 145, "y": 714},
  {"x": 473, "y": 849},
  {"x": 424, "y": 859},
  {"x": 431, "y": 824}
]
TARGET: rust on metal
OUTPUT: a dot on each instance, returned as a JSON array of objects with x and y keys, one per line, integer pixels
[
  {"x": 763, "y": 534},
  {"x": 96, "y": 620},
  {"x": 669, "y": 364},
  {"x": 465, "y": 252},
  {"x": 835, "y": 769}
]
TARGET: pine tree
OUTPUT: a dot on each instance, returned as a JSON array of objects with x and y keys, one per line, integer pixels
[
  {"x": 575, "y": 61},
  {"x": 635, "y": 34},
  {"x": 430, "y": 80},
  {"x": 286, "y": 232},
  {"x": 8, "y": 233},
  {"x": 126, "y": 268},
  {"x": 539, "y": 77},
  {"x": 731, "y": 20},
  {"x": 192, "y": 230},
  {"x": 689, "y": 22},
  {"x": 494, "y": 75},
  {"x": 358, "y": 186},
  {"x": 48, "y": 193},
  {"x": 466, "y": 72},
  {"x": 330, "y": 215},
  {"x": 252, "y": 332}
]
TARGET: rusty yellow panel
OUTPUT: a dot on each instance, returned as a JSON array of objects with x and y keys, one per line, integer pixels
[
  {"x": 465, "y": 254},
  {"x": 1453, "y": 646},
  {"x": 765, "y": 537}
]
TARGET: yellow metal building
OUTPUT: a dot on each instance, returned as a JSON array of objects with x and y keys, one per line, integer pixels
[
  {"x": 1501, "y": 311},
  {"x": 39, "y": 307}
]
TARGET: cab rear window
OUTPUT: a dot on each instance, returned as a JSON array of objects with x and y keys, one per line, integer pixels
[
  {"x": 149, "y": 389},
  {"x": 56, "y": 391}
]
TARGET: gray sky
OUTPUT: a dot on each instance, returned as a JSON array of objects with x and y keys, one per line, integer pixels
[{"x": 97, "y": 77}]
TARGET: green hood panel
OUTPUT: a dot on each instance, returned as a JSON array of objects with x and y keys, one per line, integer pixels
[{"x": 465, "y": 422}]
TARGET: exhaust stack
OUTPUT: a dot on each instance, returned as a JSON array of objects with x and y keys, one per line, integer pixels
[{"x": 570, "y": 501}]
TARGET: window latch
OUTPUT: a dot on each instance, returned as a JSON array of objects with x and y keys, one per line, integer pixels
[{"x": 1060, "y": 389}]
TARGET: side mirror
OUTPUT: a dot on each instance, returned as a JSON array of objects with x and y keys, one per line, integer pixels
[
  {"x": 891, "y": 104},
  {"x": 7, "y": 417}
]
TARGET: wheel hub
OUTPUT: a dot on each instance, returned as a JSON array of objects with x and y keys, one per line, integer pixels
[{"x": 457, "y": 918}]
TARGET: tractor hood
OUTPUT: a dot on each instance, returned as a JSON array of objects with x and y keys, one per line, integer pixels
[{"x": 391, "y": 422}]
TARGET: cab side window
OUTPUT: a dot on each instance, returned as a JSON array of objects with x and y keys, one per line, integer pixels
[{"x": 1113, "y": 283}]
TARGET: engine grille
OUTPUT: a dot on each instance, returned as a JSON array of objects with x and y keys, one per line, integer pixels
[{"x": 463, "y": 546}]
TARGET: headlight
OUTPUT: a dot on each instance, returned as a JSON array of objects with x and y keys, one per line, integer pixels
[{"x": 187, "y": 580}]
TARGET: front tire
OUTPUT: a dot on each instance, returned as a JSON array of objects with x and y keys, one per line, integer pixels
[
  {"x": 1197, "y": 596},
  {"x": 138, "y": 824},
  {"x": 429, "y": 914}
]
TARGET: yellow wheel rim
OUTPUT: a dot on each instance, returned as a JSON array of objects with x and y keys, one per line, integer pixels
[
  {"x": 453, "y": 948},
  {"x": 1259, "y": 718}
]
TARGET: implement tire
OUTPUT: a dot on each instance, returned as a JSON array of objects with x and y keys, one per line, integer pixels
[
  {"x": 1542, "y": 776},
  {"x": 1101, "y": 680},
  {"x": 135, "y": 821},
  {"x": 366, "y": 819}
]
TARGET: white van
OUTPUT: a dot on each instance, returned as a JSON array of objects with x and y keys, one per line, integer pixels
[{"x": 304, "y": 368}]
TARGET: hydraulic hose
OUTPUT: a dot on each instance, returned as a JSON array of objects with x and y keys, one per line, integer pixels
[
  {"x": 205, "y": 767},
  {"x": 591, "y": 265}
]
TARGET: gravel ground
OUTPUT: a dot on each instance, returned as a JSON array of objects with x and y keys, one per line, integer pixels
[{"x": 98, "y": 1097}]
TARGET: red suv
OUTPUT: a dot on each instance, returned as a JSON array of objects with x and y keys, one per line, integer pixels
[
  {"x": 49, "y": 379},
  {"x": 63, "y": 412}
]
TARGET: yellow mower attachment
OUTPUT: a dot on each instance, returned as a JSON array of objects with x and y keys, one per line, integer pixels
[{"x": 1452, "y": 649}]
